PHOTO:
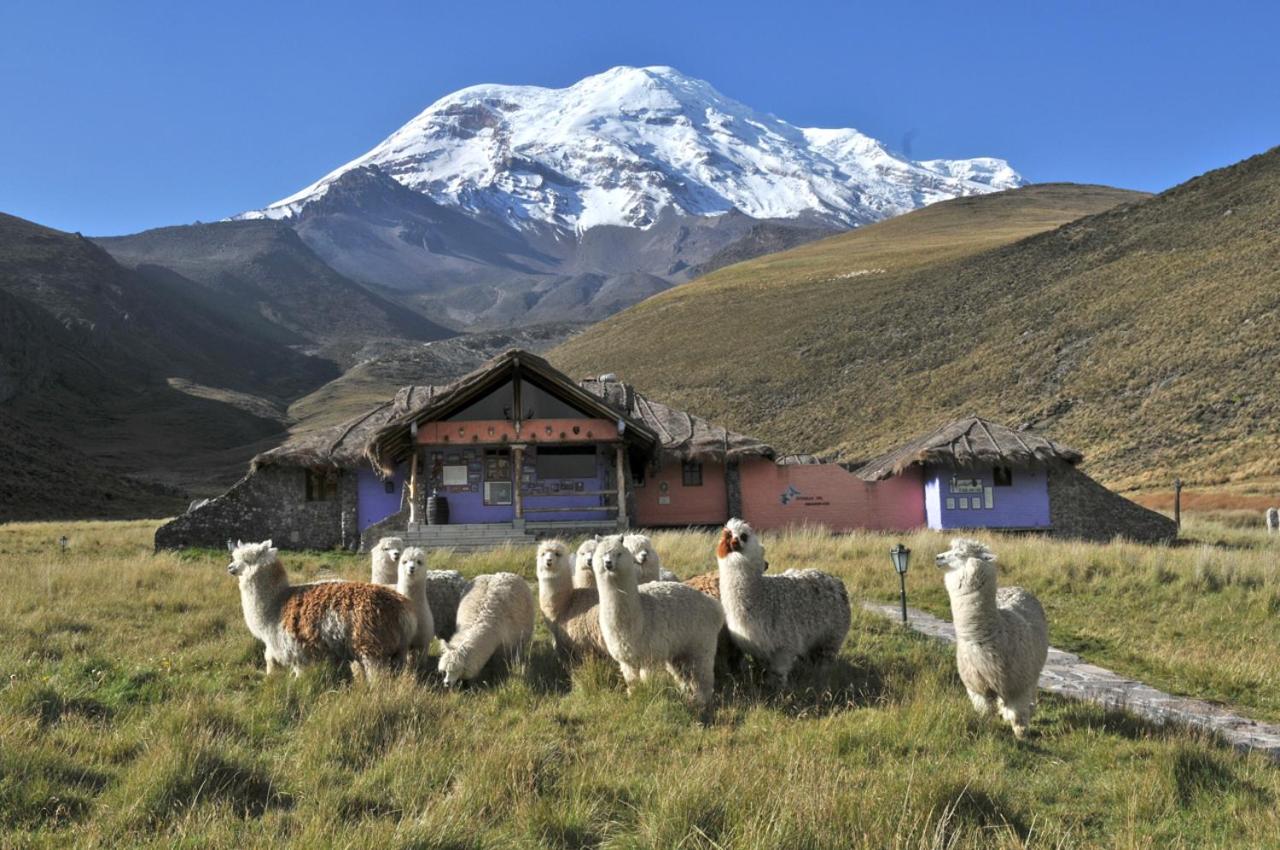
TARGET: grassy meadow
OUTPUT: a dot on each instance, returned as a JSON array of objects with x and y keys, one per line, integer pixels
[{"x": 134, "y": 712}]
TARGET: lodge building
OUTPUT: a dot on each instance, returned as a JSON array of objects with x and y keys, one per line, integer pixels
[{"x": 517, "y": 450}]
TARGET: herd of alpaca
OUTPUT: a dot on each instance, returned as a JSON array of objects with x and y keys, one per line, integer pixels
[{"x": 612, "y": 599}]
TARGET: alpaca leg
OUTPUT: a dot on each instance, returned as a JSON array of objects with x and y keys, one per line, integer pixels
[
  {"x": 704, "y": 677},
  {"x": 271, "y": 662},
  {"x": 629, "y": 675},
  {"x": 980, "y": 703}
]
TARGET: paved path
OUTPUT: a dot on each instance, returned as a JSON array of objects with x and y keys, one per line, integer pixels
[{"x": 1068, "y": 675}]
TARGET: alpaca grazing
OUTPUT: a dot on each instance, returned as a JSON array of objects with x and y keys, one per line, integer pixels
[
  {"x": 413, "y": 586},
  {"x": 494, "y": 619},
  {"x": 657, "y": 625},
  {"x": 444, "y": 588},
  {"x": 647, "y": 558},
  {"x": 572, "y": 613},
  {"x": 582, "y": 573},
  {"x": 1002, "y": 637},
  {"x": 778, "y": 619},
  {"x": 1273, "y": 520},
  {"x": 335, "y": 621}
]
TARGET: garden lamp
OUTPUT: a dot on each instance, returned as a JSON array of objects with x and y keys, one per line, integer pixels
[{"x": 901, "y": 557}]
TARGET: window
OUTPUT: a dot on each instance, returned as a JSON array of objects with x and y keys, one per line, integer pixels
[
  {"x": 322, "y": 485},
  {"x": 637, "y": 474},
  {"x": 496, "y": 404},
  {"x": 537, "y": 403},
  {"x": 389, "y": 486},
  {"x": 498, "y": 488},
  {"x": 565, "y": 462},
  {"x": 1002, "y": 476},
  {"x": 691, "y": 474}
]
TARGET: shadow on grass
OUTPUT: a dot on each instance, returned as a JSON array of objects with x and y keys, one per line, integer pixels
[
  {"x": 814, "y": 690},
  {"x": 965, "y": 806},
  {"x": 1197, "y": 773}
]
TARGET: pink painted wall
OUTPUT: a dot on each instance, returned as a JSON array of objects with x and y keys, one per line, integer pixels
[
  {"x": 705, "y": 505},
  {"x": 776, "y": 497}
]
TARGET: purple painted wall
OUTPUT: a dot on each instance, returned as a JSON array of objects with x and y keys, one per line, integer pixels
[
  {"x": 466, "y": 502},
  {"x": 1024, "y": 503},
  {"x": 373, "y": 502}
]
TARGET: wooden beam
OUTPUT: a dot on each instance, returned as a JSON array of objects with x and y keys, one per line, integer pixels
[
  {"x": 517, "y": 469},
  {"x": 413, "y": 486},
  {"x": 624, "y": 521}
]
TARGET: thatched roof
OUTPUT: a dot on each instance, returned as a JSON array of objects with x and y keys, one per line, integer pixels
[
  {"x": 343, "y": 445},
  {"x": 683, "y": 436},
  {"x": 970, "y": 442},
  {"x": 390, "y": 442}
]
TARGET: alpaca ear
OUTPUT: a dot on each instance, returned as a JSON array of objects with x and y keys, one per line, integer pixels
[{"x": 987, "y": 555}]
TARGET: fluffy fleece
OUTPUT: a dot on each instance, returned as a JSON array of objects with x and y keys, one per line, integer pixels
[
  {"x": 778, "y": 619},
  {"x": 412, "y": 585},
  {"x": 662, "y": 624},
  {"x": 444, "y": 588},
  {"x": 494, "y": 618},
  {"x": 1272, "y": 519},
  {"x": 353, "y": 622},
  {"x": 572, "y": 613},
  {"x": 583, "y": 576},
  {"x": 1002, "y": 636},
  {"x": 647, "y": 558}
]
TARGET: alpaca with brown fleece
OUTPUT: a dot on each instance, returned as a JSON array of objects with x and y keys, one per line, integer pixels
[
  {"x": 572, "y": 613},
  {"x": 328, "y": 621}
]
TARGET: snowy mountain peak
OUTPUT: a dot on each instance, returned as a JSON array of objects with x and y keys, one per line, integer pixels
[{"x": 630, "y": 145}]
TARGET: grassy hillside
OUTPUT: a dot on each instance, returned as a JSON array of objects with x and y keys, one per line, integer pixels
[
  {"x": 135, "y": 714},
  {"x": 1146, "y": 334}
]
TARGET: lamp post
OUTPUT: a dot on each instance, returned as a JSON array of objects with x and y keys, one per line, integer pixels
[{"x": 901, "y": 557}]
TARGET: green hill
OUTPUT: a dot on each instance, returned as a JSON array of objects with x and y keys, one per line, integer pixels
[{"x": 1145, "y": 333}]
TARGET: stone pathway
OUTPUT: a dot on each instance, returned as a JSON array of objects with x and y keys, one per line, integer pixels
[{"x": 1066, "y": 674}]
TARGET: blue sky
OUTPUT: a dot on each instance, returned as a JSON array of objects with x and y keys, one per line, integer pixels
[{"x": 122, "y": 116}]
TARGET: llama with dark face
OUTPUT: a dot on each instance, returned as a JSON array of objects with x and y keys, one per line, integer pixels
[{"x": 1002, "y": 636}]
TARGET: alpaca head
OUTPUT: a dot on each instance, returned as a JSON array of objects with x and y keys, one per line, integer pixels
[
  {"x": 386, "y": 555},
  {"x": 613, "y": 563},
  {"x": 248, "y": 560},
  {"x": 553, "y": 560},
  {"x": 413, "y": 565},
  {"x": 968, "y": 564},
  {"x": 641, "y": 547},
  {"x": 585, "y": 552},
  {"x": 740, "y": 546},
  {"x": 453, "y": 665}
]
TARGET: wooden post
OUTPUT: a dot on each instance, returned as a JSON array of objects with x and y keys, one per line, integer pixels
[
  {"x": 413, "y": 487},
  {"x": 517, "y": 468},
  {"x": 1177, "y": 503},
  {"x": 621, "y": 456}
]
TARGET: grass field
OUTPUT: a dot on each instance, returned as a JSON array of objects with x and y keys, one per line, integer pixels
[{"x": 133, "y": 712}]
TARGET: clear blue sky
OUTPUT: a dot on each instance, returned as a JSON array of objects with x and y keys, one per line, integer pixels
[{"x": 115, "y": 117}]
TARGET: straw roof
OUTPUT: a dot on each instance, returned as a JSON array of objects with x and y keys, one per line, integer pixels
[
  {"x": 683, "y": 436},
  {"x": 390, "y": 442},
  {"x": 970, "y": 442},
  {"x": 343, "y": 445}
]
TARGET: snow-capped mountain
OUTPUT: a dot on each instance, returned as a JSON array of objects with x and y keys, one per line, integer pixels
[{"x": 628, "y": 145}]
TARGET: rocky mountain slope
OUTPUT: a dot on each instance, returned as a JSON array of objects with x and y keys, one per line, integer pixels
[{"x": 520, "y": 204}]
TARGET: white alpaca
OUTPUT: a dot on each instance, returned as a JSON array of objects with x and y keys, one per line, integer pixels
[
  {"x": 582, "y": 574},
  {"x": 412, "y": 585},
  {"x": 1273, "y": 520},
  {"x": 647, "y": 558},
  {"x": 495, "y": 617},
  {"x": 778, "y": 619},
  {"x": 660, "y": 625},
  {"x": 338, "y": 621},
  {"x": 444, "y": 588},
  {"x": 1002, "y": 636},
  {"x": 572, "y": 613}
]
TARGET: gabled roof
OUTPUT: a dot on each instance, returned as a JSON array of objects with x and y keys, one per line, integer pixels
[
  {"x": 970, "y": 442},
  {"x": 683, "y": 435},
  {"x": 391, "y": 441},
  {"x": 343, "y": 445}
]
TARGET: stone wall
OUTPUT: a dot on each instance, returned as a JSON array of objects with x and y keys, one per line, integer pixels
[
  {"x": 270, "y": 503},
  {"x": 1082, "y": 508}
]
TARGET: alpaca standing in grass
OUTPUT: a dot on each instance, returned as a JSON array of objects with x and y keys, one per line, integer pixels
[
  {"x": 413, "y": 586},
  {"x": 662, "y": 624},
  {"x": 444, "y": 588},
  {"x": 336, "y": 621},
  {"x": 1002, "y": 636},
  {"x": 1273, "y": 520},
  {"x": 572, "y": 613},
  {"x": 495, "y": 618},
  {"x": 583, "y": 576},
  {"x": 778, "y": 619},
  {"x": 647, "y": 558}
]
